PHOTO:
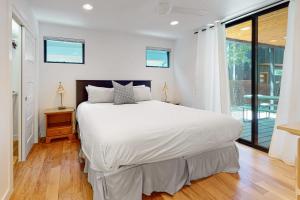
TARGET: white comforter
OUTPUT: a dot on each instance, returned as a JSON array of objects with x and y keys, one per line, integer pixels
[{"x": 118, "y": 135}]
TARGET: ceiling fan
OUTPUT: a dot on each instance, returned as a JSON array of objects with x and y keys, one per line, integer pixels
[{"x": 167, "y": 7}]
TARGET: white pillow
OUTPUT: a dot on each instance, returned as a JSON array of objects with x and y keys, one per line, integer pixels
[
  {"x": 140, "y": 86},
  {"x": 142, "y": 93},
  {"x": 100, "y": 94}
]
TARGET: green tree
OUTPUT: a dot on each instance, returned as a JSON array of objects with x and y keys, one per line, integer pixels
[{"x": 238, "y": 56}]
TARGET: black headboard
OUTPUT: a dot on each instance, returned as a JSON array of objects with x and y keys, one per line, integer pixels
[{"x": 81, "y": 94}]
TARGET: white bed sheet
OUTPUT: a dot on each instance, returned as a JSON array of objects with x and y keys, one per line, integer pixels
[{"x": 113, "y": 136}]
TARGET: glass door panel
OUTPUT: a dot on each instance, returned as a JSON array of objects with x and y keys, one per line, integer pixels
[
  {"x": 239, "y": 53},
  {"x": 270, "y": 49}
]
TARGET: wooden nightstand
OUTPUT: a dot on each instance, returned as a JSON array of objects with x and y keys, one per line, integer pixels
[{"x": 59, "y": 124}]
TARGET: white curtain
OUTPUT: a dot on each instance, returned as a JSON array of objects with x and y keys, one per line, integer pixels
[
  {"x": 212, "y": 85},
  {"x": 283, "y": 145}
]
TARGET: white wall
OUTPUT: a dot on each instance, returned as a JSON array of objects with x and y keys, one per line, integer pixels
[
  {"x": 185, "y": 62},
  {"x": 109, "y": 56},
  {"x": 5, "y": 102}
]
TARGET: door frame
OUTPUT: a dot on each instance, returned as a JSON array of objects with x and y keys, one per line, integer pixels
[
  {"x": 18, "y": 17},
  {"x": 254, "y": 69},
  {"x": 20, "y": 93}
]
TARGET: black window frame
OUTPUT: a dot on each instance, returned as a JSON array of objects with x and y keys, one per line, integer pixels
[
  {"x": 159, "y": 49},
  {"x": 254, "y": 67},
  {"x": 64, "y": 40}
]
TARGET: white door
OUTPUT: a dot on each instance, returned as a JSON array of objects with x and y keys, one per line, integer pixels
[{"x": 28, "y": 91}]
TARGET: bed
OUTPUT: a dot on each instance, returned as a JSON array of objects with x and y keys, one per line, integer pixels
[{"x": 151, "y": 146}]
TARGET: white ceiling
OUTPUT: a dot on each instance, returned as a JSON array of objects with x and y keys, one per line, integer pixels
[{"x": 137, "y": 16}]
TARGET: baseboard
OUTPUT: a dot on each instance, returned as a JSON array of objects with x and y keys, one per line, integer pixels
[
  {"x": 7, "y": 194},
  {"x": 42, "y": 140}
]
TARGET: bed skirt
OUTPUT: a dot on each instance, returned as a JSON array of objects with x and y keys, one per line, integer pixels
[{"x": 129, "y": 183}]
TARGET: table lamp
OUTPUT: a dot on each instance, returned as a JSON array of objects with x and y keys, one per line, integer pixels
[
  {"x": 61, "y": 91},
  {"x": 165, "y": 92}
]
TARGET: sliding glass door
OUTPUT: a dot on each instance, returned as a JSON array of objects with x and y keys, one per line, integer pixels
[
  {"x": 271, "y": 42},
  {"x": 255, "y": 48},
  {"x": 239, "y": 60}
]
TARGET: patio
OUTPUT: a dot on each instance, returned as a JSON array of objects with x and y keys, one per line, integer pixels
[
  {"x": 266, "y": 124},
  {"x": 265, "y": 131}
]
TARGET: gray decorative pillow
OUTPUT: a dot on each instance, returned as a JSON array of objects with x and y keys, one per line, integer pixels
[{"x": 123, "y": 94}]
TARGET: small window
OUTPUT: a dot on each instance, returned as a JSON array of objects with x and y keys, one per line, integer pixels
[
  {"x": 157, "y": 58},
  {"x": 58, "y": 50}
]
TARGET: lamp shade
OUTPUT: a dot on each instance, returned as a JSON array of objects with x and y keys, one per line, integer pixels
[{"x": 60, "y": 89}]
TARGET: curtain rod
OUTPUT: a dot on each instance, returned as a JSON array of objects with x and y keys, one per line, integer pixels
[{"x": 248, "y": 13}]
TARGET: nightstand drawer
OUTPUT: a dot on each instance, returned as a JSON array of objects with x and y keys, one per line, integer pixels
[{"x": 57, "y": 131}]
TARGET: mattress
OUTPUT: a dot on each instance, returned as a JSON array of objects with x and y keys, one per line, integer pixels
[{"x": 114, "y": 136}]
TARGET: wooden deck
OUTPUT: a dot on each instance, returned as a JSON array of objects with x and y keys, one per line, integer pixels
[{"x": 265, "y": 131}]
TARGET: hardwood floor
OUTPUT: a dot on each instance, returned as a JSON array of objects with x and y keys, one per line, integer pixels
[
  {"x": 52, "y": 171},
  {"x": 15, "y": 151}
]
